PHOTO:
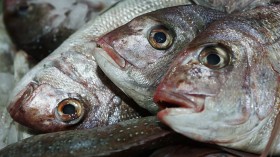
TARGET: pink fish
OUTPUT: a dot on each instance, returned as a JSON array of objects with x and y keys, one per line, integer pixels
[
  {"x": 67, "y": 90},
  {"x": 224, "y": 87},
  {"x": 136, "y": 55}
]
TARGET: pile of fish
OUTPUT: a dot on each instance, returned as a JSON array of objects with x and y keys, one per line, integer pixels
[{"x": 207, "y": 69}]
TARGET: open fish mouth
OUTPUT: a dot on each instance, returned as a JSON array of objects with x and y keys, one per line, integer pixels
[
  {"x": 166, "y": 99},
  {"x": 111, "y": 54}
]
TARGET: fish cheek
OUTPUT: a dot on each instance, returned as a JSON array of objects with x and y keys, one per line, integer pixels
[{"x": 195, "y": 78}]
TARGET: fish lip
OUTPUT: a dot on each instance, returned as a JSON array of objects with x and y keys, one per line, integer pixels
[
  {"x": 111, "y": 54},
  {"x": 165, "y": 99},
  {"x": 24, "y": 95}
]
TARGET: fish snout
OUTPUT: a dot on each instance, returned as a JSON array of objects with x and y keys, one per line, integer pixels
[
  {"x": 110, "y": 54},
  {"x": 47, "y": 109},
  {"x": 21, "y": 98}
]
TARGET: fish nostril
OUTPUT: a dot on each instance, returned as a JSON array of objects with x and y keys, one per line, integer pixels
[
  {"x": 28, "y": 93},
  {"x": 23, "y": 8}
]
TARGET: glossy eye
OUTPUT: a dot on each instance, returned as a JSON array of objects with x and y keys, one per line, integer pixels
[
  {"x": 214, "y": 57},
  {"x": 23, "y": 8},
  {"x": 160, "y": 38},
  {"x": 70, "y": 111}
]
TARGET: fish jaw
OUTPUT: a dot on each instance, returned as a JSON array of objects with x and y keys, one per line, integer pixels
[
  {"x": 169, "y": 99},
  {"x": 110, "y": 54},
  {"x": 126, "y": 83}
]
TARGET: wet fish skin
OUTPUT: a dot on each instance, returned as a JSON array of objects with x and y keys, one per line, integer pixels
[
  {"x": 128, "y": 138},
  {"x": 71, "y": 72},
  {"x": 236, "y": 103},
  {"x": 39, "y": 27},
  {"x": 230, "y": 6},
  {"x": 139, "y": 66}
]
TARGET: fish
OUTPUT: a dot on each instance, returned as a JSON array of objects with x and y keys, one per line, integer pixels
[
  {"x": 136, "y": 55},
  {"x": 127, "y": 138},
  {"x": 39, "y": 27},
  {"x": 223, "y": 88},
  {"x": 65, "y": 95},
  {"x": 67, "y": 90},
  {"x": 45, "y": 24}
]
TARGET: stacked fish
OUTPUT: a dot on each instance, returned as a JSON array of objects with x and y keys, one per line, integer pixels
[{"x": 213, "y": 76}]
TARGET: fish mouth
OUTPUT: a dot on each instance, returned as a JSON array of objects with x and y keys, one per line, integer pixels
[
  {"x": 168, "y": 99},
  {"x": 110, "y": 53}
]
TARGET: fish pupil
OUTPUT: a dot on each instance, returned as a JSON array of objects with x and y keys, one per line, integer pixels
[
  {"x": 23, "y": 8},
  {"x": 160, "y": 37},
  {"x": 69, "y": 109},
  {"x": 213, "y": 59}
]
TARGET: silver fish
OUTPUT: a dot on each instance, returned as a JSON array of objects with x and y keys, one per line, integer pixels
[
  {"x": 69, "y": 78},
  {"x": 224, "y": 87},
  {"x": 136, "y": 55}
]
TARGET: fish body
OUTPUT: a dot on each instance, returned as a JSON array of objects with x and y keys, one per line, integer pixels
[
  {"x": 39, "y": 27},
  {"x": 230, "y": 6},
  {"x": 224, "y": 87},
  {"x": 68, "y": 81},
  {"x": 131, "y": 57},
  {"x": 127, "y": 138}
]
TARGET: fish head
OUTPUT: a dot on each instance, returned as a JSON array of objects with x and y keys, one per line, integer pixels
[
  {"x": 135, "y": 56},
  {"x": 26, "y": 17},
  {"x": 67, "y": 91},
  {"x": 28, "y": 23},
  {"x": 221, "y": 88},
  {"x": 151, "y": 36},
  {"x": 44, "y": 108}
]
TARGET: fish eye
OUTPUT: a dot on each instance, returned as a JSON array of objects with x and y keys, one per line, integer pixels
[
  {"x": 160, "y": 38},
  {"x": 23, "y": 8},
  {"x": 70, "y": 111},
  {"x": 214, "y": 57}
]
